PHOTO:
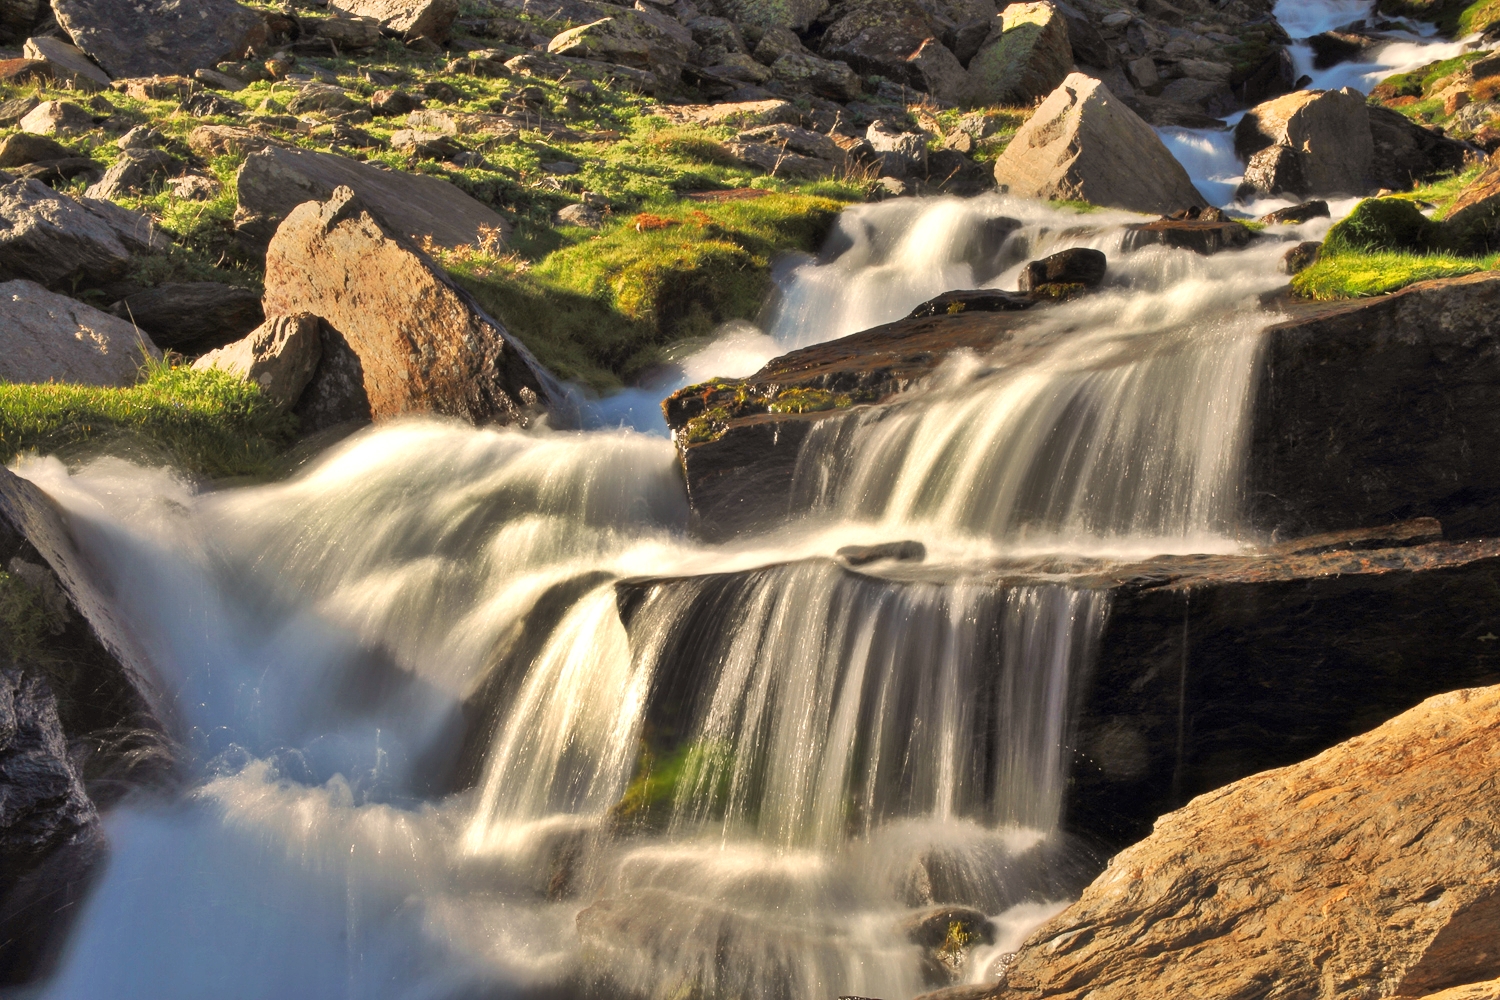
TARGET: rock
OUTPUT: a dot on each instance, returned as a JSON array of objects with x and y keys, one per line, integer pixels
[
  {"x": 192, "y": 316},
  {"x": 1076, "y": 266},
  {"x": 579, "y": 215},
  {"x": 1202, "y": 237},
  {"x": 797, "y": 15},
  {"x": 343, "y": 33},
  {"x": 1026, "y": 57},
  {"x": 776, "y": 160},
  {"x": 900, "y": 153},
  {"x": 67, "y": 63},
  {"x": 422, "y": 345},
  {"x": 159, "y": 37},
  {"x": 22, "y": 148},
  {"x": 275, "y": 180},
  {"x": 742, "y": 114},
  {"x": 156, "y": 88},
  {"x": 829, "y": 78},
  {"x": 219, "y": 81},
  {"x": 1297, "y": 214},
  {"x": 220, "y": 140},
  {"x": 13, "y": 110},
  {"x": 410, "y": 19},
  {"x": 57, "y": 118},
  {"x": 1405, "y": 153},
  {"x": 393, "y": 102},
  {"x": 51, "y": 337},
  {"x": 195, "y": 187},
  {"x": 425, "y": 145},
  {"x": 1083, "y": 144},
  {"x": 877, "y": 36},
  {"x": 135, "y": 171},
  {"x": 1385, "y": 224},
  {"x": 208, "y": 105},
  {"x": 19, "y": 72},
  {"x": 863, "y": 555},
  {"x": 935, "y": 69},
  {"x": 52, "y": 239},
  {"x": 1300, "y": 257},
  {"x": 1472, "y": 222},
  {"x": 798, "y": 140},
  {"x": 625, "y": 39},
  {"x": 972, "y": 300},
  {"x": 1373, "y": 862},
  {"x": 141, "y": 137},
  {"x": 1274, "y": 170},
  {"x": 320, "y": 97},
  {"x": 59, "y": 171},
  {"x": 279, "y": 356},
  {"x": 1327, "y": 134}
]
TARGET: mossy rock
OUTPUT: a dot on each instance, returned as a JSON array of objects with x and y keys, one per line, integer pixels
[{"x": 1383, "y": 224}]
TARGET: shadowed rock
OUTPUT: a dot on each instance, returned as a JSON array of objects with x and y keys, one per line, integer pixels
[
  {"x": 192, "y": 316},
  {"x": 50, "y": 238},
  {"x": 159, "y": 37}
]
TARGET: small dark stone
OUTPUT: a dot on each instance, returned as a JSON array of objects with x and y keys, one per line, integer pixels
[
  {"x": 1301, "y": 257},
  {"x": 862, "y": 555},
  {"x": 440, "y": 91},
  {"x": 1075, "y": 266},
  {"x": 974, "y": 300},
  {"x": 1297, "y": 214}
]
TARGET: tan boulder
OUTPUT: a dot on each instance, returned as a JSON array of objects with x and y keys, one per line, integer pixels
[
  {"x": 408, "y": 340},
  {"x": 1084, "y": 144},
  {"x": 408, "y": 18},
  {"x": 279, "y": 357},
  {"x": 1369, "y": 871},
  {"x": 51, "y": 338},
  {"x": 1026, "y": 56},
  {"x": 1327, "y": 130}
]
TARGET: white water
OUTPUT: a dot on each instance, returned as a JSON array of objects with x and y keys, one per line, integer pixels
[{"x": 410, "y": 703}]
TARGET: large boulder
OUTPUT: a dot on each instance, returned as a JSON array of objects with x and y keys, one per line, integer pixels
[
  {"x": 628, "y": 40},
  {"x": 67, "y": 63},
  {"x": 51, "y": 238},
  {"x": 279, "y": 357},
  {"x": 1369, "y": 870},
  {"x": 1327, "y": 134},
  {"x": 159, "y": 37},
  {"x": 1083, "y": 144},
  {"x": 276, "y": 180},
  {"x": 52, "y": 338},
  {"x": 410, "y": 19},
  {"x": 1405, "y": 153},
  {"x": 412, "y": 341},
  {"x": 192, "y": 315},
  {"x": 1025, "y": 58}
]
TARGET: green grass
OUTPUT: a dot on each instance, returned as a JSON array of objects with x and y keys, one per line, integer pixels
[
  {"x": 1359, "y": 274},
  {"x": 205, "y": 423}
]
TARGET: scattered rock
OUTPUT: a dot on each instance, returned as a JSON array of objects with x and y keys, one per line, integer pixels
[
  {"x": 156, "y": 88},
  {"x": 421, "y": 343},
  {"x": 19, "y": 72},
  {"x": 411, "y": 19},
  {"x": 393, "y": 102},
  {"x": 1372, "y": 862},
  {"x": 23, "y": 147},
  {"x": 195, "y": 187},
  {"x": 159, "y": 37},
  {"x": 1084, "y": 144},
  {"x": 209, "y": 141},
  {"x": 579, "y": 215},
  {"x": 49, "y": 238},
  {"x": 141, "y": 137},
  {"x": 1026, "y": 57},
  {"x": 900, "y": 153},
  {"x": 50, "y": 337},
  {"x": 1297, "y": 214},
  {"x": 279, "y": 356},
  {"x": 742, "y": 114},
  {"x": 275, "y": 180},
  {"x": 341, "y": 33},
  {"x": 829, "y": 78},
  {"x": 625, "y": 39},
  {"x": 777, "y": 160},
  {"x": 59, "y": 171},
  {"x": 934, "y": 69},
  {"x": 425, "y": 145},
  {"x": 797, "y": 15},
  {"x": 1300, "y": 257},
  {"x": 863, "y": 555},
  {"x": 57, "y": 118},
  {"x": 1404, "y": 153},
  {"x": 66, "y": 63},
  {"x": 13, "y": 110},
  {"x": 1326, "y": 137},
  {"x": 1078, "y": 267},
  {"x": 220, "y": 81},
  {"x": 192, "y": 316},
  {"x": 798, "y": 140},
  {"x": 135, "y": 171}
]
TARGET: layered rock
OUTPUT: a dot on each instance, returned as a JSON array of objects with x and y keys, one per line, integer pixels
[
  {"x": 1026, "y": 57},
  {"x": 1084, "y": 144},
  {"x": 406, "y": 338},
  {"x": 52, "y": 338},
  {"x": 50, "y": 238},
  {"x": 1370, "y": 868},
  {"x": 276, "y": 180},
  {"x": 152, "y": 37}
]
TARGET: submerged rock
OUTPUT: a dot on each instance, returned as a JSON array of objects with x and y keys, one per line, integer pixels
[
  {"x": 52, "y": 338},
  {"x": 1084, "y": 144},
  {"x": 1373, "y": 863},
  {"x": 412, "y": 340},
  {"x": 861, "y": 555},
  {"x": 1198, "y": 235},
  {"x": 1077, "y": 267}
]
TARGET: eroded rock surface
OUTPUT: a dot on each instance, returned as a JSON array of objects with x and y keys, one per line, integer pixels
[
  {"x": 52, "y": 338},
  {"x": 279, "y": 356}
]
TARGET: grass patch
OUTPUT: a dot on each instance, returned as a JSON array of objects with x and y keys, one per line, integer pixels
[
  {"x": 206, "y": 423},
  {"x": 1359, "y": 274}
]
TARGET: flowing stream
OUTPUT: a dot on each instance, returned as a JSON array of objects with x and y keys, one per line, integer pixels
[{"x": 468, "y": 713}]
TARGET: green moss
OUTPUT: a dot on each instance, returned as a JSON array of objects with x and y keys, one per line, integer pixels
[
  {"x": 700, "y": 771},
  {"x": 1383, "y": 224},
  {"x": 207, "y": 423},
  {"x": 1358, "y": 274},
  {"x": 1448, "y": 15},
  {"x": 1478, "y": 16}
]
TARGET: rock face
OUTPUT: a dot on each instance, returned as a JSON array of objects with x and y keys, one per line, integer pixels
[
  {"x": 1084, "y": 144},
  {"x": 159, "y": 37},
  {"x": 1026, "y": 57},
  {"x": 274, "y": 181},
  {"x": 418, "y": 342},
  {"x": 280, "y": 356},
  {"x": 1370, "y": 869},
  {"x": 51, "y": 337},
  {"x": 1326, "y": 138},
  {"x": 50, "y": 238},
  {"x": 192, "y": 316},
  {"x": 627, "y": 39},
  {"x": 408, "y": 18},
  {"x": 1405, "y": 153}
]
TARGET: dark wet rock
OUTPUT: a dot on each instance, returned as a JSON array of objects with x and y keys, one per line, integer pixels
[
  {"x": 1300, "y": 257},
  {"x": 1199, "y": 236},
  {"x": 275, "y": 180},
  {"x": 50, "y": 238},
  {"x": 863, "y": 555},
  {"x": 1078, "y": 266},
  {"x": 1406, "y": 154},
  {"x": 1333, "y": 47},
  {"x": 149, "y": 37},
  {"x": 930, "y": 927},
  {"x": 951, "y": 172},
  {"x": 973, "y": 300},
  {"x": 193, "y": 316},
  {"x": 421, "y": 344},
  {"x": 1297, "y": 214},
  {"x": 1325, "y": 137},
  {"x": 1170, "y": 114}
]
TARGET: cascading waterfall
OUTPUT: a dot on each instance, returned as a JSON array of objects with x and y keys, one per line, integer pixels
[{"x": 467, "y": 713}]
